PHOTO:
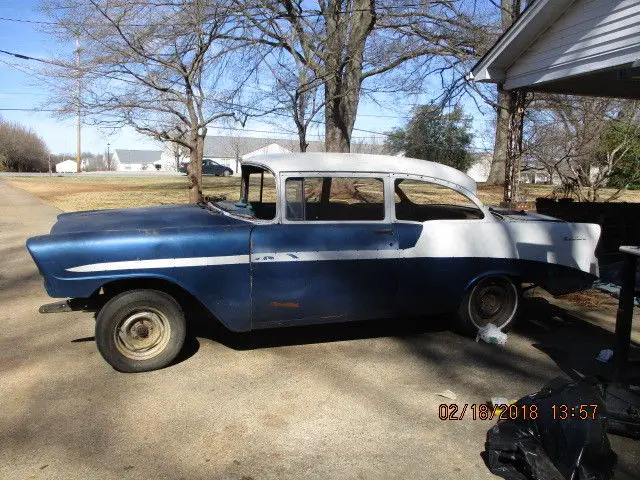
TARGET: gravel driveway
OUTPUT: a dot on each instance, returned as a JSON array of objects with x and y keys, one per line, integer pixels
[{"x": 341, "y": 401}]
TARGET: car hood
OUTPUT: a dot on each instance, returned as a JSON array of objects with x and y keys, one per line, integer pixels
[{"x": 145, "y": 218}]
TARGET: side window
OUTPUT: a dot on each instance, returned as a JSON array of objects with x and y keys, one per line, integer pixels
[
  {"x": 334, "y": 198},
  {"x": 421, "y": 201}
]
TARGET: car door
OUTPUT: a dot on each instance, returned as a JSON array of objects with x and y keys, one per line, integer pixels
[{"x": 324, "y": 267}]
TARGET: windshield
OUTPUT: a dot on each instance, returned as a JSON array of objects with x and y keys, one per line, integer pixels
[{"x": 257, "y": 195}]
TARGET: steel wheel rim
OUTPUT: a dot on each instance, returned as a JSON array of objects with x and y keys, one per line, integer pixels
[
  {"x": 493, "y": 300},
  {"x": 142, "y": 335}
]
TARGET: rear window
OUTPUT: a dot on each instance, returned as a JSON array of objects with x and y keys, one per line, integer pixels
[{"x": 420, "y": 201}]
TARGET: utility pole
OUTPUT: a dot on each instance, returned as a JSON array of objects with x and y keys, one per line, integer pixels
[
  {"x": 49, "y": 162},
  {"x": 79, "y": 125},
  {"x": 108, "y": 157}
]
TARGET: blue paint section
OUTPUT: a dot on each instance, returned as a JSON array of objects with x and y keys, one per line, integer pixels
[
  {"x": 323, "y": 237},
  {"x": 146, "y": 218},
  {"x": 223, "y": 289},
  {"x": 317, "y": 291},
  {"x": 436, "y": 285},
  {"x": 408, "y": 234}
]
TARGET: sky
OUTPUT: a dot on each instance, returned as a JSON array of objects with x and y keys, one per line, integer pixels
[{"x": 19, "y": 89}]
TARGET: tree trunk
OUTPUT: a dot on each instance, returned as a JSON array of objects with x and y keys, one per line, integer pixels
[
  {"x": 497, "y": 171},
  {"x": 337, "y": 136},
  {"x": 517, "y": 102},
  {"x": 302, "y": 138},
  {"x": 346, "y": 32},
  {"x": 194, "y": 177},
  {"x": 510, "y": 12}
]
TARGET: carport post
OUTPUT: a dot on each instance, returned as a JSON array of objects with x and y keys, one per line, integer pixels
[{"x": 624, "y": 316}]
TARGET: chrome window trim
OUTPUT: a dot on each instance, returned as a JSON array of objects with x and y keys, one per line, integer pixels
[
  {"x": 377, "y": 175},
  {"x": 453, "y": 186}
]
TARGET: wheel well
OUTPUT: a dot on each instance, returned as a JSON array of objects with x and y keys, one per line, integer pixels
[
  {"x": 517, "y": 281},
  {"x": 113, "y": 288}
]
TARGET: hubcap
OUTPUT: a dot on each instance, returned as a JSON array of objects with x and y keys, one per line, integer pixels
[
  {"x": 142, "y": 335},
  {"x": 493, "y": 300}
]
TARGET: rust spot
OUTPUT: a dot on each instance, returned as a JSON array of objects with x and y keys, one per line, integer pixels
[{"x": 285, "y": 304}]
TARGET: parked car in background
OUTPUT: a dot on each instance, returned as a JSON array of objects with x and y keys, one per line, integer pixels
[
  {"x": 210, "y": 167},
  {"x": 314, "y": 238}
]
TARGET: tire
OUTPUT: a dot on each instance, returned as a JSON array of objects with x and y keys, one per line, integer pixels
[
  {"x": 227, "y": 173},
  {"x": 492, "y": 299},
  {"x": 140, "y": 330}
]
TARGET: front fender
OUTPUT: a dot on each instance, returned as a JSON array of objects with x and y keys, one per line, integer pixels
[{"x": 210, "y": 264}]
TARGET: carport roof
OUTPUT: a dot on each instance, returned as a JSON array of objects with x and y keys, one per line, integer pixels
[{"x": 614, "y": 73}]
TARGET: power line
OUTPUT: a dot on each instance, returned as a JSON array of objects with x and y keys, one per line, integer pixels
[
  {"x": 27, "y": 57},
  {"x": 28, "y": 110}
]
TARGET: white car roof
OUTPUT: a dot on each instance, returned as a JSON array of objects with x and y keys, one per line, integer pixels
[{"x": 359, "y": 162}]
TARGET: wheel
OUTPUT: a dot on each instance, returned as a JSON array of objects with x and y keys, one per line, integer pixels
[
  {"x": 494, "y": 299},
  {"x": 140, "y": 330},
  {"x": 227, "y": 173}
]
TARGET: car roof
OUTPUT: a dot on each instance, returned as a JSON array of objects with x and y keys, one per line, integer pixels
[{"x": 359, "y": 162}]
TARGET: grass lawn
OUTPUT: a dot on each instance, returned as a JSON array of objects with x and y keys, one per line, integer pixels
[{"x": 73, "y": 193}]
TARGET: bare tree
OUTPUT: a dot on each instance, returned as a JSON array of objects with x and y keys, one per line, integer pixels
[
  {"x": 158, "y": 67},
  {"x": 583, "y": 141},
  {"x": 345, "y": 43},
  {"x": 21, "y": 150}
]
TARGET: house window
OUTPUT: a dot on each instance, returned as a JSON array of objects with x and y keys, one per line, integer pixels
[
  {"x": 334, "y": 198},
  {"x": 420, "y": 201}
]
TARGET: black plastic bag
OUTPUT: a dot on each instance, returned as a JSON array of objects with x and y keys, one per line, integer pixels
[{"x": 557, "y": 433}]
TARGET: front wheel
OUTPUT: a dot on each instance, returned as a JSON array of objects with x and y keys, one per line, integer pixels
[
  {"x": 227, "y": 173},
  {"x": 494, "y": 299},
  {"x": 140, "y": 330}
]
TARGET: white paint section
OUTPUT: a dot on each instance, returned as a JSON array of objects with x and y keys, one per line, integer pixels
[
  {"x": 360, "y": 163},
  {"x": 162, "y": 263},
  {"x": 569, "y": 244}
]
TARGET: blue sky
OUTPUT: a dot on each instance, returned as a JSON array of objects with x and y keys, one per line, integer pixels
[{"x": 19, "y": 89}]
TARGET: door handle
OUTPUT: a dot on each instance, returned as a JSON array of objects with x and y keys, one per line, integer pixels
[{"x": 384, "y": 231}]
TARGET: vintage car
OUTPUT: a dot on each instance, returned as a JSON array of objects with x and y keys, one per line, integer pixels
[{"x": 314, "y": 238}]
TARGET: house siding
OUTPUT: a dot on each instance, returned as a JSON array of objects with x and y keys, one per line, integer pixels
[{"x": 591, "y": 35}]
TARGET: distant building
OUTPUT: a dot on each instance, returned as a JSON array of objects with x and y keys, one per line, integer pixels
[
  {"x": 66, "y": 166},
  {"x": 229, "y": 151},
  {"x": 480, "y": 167},
  {"x": 535, "y": 176},
  {"x": 137, "y": 160}
]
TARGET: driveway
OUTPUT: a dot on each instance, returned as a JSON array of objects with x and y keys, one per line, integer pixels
[{"x": 341, "y": 401}]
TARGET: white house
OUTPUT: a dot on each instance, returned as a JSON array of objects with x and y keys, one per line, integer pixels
[
  {"x": 66, "y": 166},
  {"x": 229, "y": 151},
  {"x": 480, "y": 167},
  {"x": 271, "y": 148},
  {"x": 137, "y": 160}
]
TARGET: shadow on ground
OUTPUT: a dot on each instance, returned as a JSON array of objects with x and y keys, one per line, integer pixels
[{"x": 573, "y": 344}]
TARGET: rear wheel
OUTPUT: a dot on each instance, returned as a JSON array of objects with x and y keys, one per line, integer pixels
[
  {"x": 227, "y": 173},
  {"x": 140, "y": 330},
  {"x": 494, "y": 299}
]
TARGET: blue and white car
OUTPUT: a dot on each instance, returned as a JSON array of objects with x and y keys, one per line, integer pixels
[{"x": 314, "y": 238}]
